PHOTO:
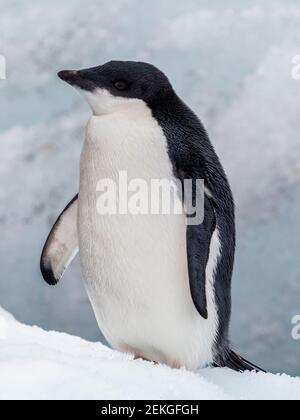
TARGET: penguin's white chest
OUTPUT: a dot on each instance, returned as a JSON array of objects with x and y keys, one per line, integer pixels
[{"x": 135, "y": 266}]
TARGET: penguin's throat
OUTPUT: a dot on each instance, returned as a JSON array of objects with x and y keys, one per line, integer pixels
[{"x": 104, "y": 103}]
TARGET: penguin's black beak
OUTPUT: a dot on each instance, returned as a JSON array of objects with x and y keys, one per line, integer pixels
[
  {"x": 68, "y": 76},
  {"x": 77, "y": 78}
]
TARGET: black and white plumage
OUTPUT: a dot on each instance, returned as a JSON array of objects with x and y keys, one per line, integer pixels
[{"x": 159, "y": 288}]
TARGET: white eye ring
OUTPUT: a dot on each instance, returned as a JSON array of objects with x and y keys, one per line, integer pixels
[{"x": 120, "y": 85}]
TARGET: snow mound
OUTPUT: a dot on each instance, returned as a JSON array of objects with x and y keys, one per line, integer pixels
[{"x": 36, "y": 364}]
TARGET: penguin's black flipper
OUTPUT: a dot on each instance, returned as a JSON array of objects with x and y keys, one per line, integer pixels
[
  {"x": 61, "y": 245},
  {"x": 198, "y": 247},
  {"x": 237, "y": 363}
]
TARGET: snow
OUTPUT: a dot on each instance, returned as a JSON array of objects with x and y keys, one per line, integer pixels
[{"x": 36, "y": 364}]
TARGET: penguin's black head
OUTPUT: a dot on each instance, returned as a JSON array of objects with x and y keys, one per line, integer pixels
[{"x": 117, "y": 81}]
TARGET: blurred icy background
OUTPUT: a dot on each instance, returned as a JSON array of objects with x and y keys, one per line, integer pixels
[{"x": 231, "y": 61}]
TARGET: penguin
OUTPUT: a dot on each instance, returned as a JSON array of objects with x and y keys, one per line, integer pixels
[{"x": 160, "y": 288}]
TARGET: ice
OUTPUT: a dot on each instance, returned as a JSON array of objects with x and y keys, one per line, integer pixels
[{"x": 36, "y": 364}]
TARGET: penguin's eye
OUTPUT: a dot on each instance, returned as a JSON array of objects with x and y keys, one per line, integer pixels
[{"x": 120, "y": 85}]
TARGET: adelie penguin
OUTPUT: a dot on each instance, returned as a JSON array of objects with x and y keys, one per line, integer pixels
[{"x": 160, "y": 288}]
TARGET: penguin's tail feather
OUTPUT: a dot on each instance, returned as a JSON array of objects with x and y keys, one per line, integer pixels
[{"x": 237, "y": 363}]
